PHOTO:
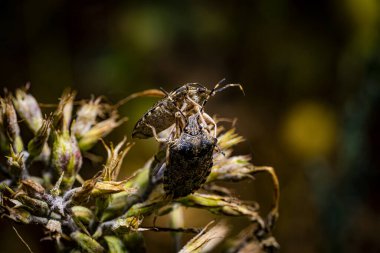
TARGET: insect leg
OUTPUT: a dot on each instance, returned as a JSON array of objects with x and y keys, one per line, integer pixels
[
  {"x": 179, "y": 110},
  {"x": 180, "y": 123},
  {"x": 202, "y": 115},
  {"x": 161, "y": 140},
  {"x": 219, "y": 150},
  {"x": 210, "y": 120},
  {"x": 198, "y": 107},
  {"x": 159, "y": 175}
]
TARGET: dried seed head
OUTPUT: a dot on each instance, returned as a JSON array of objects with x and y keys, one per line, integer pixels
[
  {"x": 32, "y": 187},
  {"x": 100, "y": 130},
  {"x": 18, "y": 215},
  {"x": 84, "y": 214},
  {"x": 37, "y": 144},
  {"x": 16, "y": 163},
  {"x": 28, "y": 108},
  {"x": 86, "y": 117},
  {"x": 66, "y": 157},
  {"x": 84, "y": 193},
  {"x": 124, "y": 225},
  {"x": 115, "y": 159},
  {"x": 111, "y": 187},
  {"x": 11, "y": 127},
  {"x": 4, "y": 143},
  {"x": 62, "y": 116},
  {"x": 229, "y": 139},
  {"x": 231, "y": 168}
]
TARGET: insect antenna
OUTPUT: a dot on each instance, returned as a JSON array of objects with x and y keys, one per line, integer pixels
[
  {"x": 164, "y": 91},
  {"x": 216, "y": 89},
  {"x": 144, "y": 93},
  {"x": 213, "y": 91},
  {"x": 227, "y": 86},
  {"x": 175, "y": 106}
]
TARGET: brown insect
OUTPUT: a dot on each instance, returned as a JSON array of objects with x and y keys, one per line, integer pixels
[
  {"x": 188, "y": 159},
  {"x": 189, "y": 99}
]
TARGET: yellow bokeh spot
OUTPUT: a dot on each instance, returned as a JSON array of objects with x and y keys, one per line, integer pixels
[{"x": 309, "y": 130}]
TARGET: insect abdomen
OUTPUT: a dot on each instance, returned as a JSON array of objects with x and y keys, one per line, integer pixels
[{"x": 189, "y": 164}]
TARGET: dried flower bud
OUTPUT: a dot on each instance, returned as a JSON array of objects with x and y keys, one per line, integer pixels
[
  {"x": 84, "y": 214},
  {"x": 66, "y": 157},
  {"x": 18, "y": 215},
  {"x": 231, "y": 169},
  {"x": 111, "y": 187},
  {"x": 99, "y": 130},
  {"x": 54, "y": 226},
  {"x": 37, "y": 144},
  {"x": 83, "y": 194},
  {"x": 86, "y": 117},
  {"x": 62, "y": 116},
  {"x": 125, "y": 225},
  {"x": 11, "y": 127},
  {"x": 4, "y": 143},
  {"x": 115, "y": 158},
  {"x": 229, "y": 139},
  {"x": 28, "y": 108},
  {"x": 36, "y": 206},
  {"x": 32, "y": 187},
  {"x": 16, "y": 164}
]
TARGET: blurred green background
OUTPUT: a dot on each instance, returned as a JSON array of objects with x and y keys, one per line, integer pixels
[{"x": 311, "y": 73}]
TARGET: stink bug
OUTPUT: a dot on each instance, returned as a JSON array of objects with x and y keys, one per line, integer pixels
[
  {"x": 189, "y": 98},
  {"x": 188, "y": 159}
]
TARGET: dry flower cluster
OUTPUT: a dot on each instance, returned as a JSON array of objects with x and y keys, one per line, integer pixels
[{"x": 104, "y": 213}]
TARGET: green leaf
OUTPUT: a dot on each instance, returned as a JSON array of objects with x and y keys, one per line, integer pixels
[
  {"x": 86, "y": 242},
  {"x": 115, "y": 245}
]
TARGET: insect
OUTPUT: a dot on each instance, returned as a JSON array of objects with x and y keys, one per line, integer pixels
[
  {"x": 189, "y": 98},
  {"x": 188, "y": 159}
]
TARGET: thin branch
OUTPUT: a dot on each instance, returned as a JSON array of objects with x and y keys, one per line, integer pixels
[{"x": 177, "y": 230}]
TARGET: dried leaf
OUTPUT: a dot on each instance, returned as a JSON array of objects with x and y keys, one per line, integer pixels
[
  {"x": 110, "y": 187},
  {"x": 206, "y": 240},
  {"x": 115, "y": 159}
]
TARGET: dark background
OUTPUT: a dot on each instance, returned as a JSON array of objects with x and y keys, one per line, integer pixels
[{"x": 310, "y": 70}]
